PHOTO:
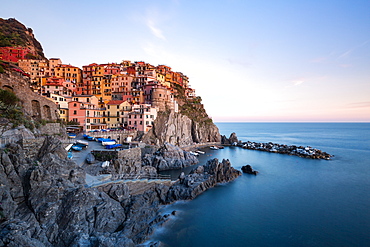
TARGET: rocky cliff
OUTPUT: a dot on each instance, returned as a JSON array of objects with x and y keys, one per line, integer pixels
[
  {"x": 178, "y": 129},
  {"x": 14, "y": 33},
  {"x": 45, "y": 201}
]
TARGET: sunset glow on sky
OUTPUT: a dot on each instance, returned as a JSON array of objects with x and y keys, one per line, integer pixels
[{"x": 248, "y": 60}]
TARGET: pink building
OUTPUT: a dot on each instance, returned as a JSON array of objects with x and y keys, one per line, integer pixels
[{"x": 141, "y": 117}]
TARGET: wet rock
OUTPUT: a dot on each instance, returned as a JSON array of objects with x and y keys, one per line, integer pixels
[
  {"x": 248, "y": 169},
  {"x": 201, "y": 179}
]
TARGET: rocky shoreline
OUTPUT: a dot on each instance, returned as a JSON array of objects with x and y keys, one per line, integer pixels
[
  {"x": 45, "y": 200},
  {"x": 305, "y": 152}
]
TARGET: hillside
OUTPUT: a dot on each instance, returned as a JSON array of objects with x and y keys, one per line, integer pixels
[{"x": 14, "y": 33}]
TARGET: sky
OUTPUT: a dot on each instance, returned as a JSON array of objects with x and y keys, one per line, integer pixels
[{"x": 249, "y": 60}]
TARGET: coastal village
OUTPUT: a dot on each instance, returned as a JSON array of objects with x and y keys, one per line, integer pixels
[{"x": 126, "y": 95}]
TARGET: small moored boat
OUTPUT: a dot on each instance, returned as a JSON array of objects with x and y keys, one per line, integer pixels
[
  {"x": 76, "y": 148},
  {"x": 213, "y": 147},
  {"x": 108, "y": 142},
  {"x": 81, "y": 142},
  {"x": 72, "y": 135}
]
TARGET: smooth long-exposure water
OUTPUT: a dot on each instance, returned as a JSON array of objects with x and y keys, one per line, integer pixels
[{"x": 293, "y": 201}]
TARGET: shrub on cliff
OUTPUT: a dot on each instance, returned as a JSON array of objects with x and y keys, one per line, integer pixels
[{"x": 8, "y": 98}]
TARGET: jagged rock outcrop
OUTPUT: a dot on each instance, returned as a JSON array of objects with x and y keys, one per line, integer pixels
[
  {"x": 229, "y": 141},
  {"x": 180, "y": 130},
  {"x": 201, "y": 179},
  {"x": 169, "y": 157}
]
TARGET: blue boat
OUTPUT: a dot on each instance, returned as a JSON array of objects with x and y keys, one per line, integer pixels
[
  {"x": 113, "y": 146},
  {"x": 71, "y": 135},
  {"x": 90, "y": 138},
  {"x": 76, "y": 148}
]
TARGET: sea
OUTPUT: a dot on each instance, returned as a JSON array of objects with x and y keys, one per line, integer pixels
[{"x": 293, "y": 201}]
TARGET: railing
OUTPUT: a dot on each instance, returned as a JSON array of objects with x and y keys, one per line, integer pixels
[
  {"x": 143, "y": 176},
  {"x": 130, "y": 178}
]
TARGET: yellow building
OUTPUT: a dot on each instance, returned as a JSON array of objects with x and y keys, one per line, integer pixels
[
  {"x": 116, "y": 113},
  {"x": 68, "y": 73}
]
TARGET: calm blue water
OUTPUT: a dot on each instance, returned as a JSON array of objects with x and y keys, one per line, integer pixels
[{"x": 292, "y": 201}]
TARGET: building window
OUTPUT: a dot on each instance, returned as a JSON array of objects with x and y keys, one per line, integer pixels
[
  {"x": 88, "y": 120},
  {"x": 74, "y": 112}
]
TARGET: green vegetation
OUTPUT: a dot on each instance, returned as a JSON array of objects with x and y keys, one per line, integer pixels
[
  {"x": 73, "y": 123},
  {"x": 191, "y": 107},
  {"x": 11, "y": 110},
  {"x": 12, "y": 33}
]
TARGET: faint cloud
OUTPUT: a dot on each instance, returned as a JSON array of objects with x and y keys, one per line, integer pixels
[
  {"x": 349, "y": 51},
  {"x": 155, "y": 30},
  {"x": 297, "y": 82},
  {"x": 238, "y": 62},
  {"x": 365, "y": 104}
]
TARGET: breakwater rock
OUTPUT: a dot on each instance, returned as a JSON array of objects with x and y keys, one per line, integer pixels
[
  {"x": 248, "y": 169},
  {"x": 201, "y": 179},
  {"x": 306, "y": 152}
]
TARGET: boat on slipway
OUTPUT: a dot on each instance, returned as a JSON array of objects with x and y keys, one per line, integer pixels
[
  {"x": 76, "y": 148},
  {"x": 82, "y": 143}
]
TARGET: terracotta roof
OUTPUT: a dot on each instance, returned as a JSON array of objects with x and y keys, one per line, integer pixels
[{"x": 115, "y": 102}]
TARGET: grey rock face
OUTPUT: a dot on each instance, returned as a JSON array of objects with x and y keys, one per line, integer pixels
[
  {"x": 178, "y": 129},
  {"x": 201, "y": 179},
  {"x": 169, "y": 157}
]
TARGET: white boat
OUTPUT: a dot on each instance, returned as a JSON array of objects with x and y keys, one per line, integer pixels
[
  {"x": 69, "y": 147},
  {"x": 108, "y": 143},
  {"x": 82, "y": 142},
  {"x": 105, "y": 164},
  {"x": 213, "y": 147},
  {"x": 194, "y": 153},
  {"x": 200, "y": 152}
]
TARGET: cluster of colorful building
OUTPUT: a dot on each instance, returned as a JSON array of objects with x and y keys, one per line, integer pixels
[{"x": 104, "y": 96}]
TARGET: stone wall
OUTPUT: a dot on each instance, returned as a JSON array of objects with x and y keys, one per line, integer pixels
[
  {"x": 131, "y": 153},
  {"x": 33, "y": 104},
  {"x": 53, "y": 129}
]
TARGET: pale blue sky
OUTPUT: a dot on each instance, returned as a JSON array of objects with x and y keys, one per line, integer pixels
[{"x": 249, "y": 60}]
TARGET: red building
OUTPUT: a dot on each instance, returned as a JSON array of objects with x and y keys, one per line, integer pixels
[{"x": 13, "y": 54}]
